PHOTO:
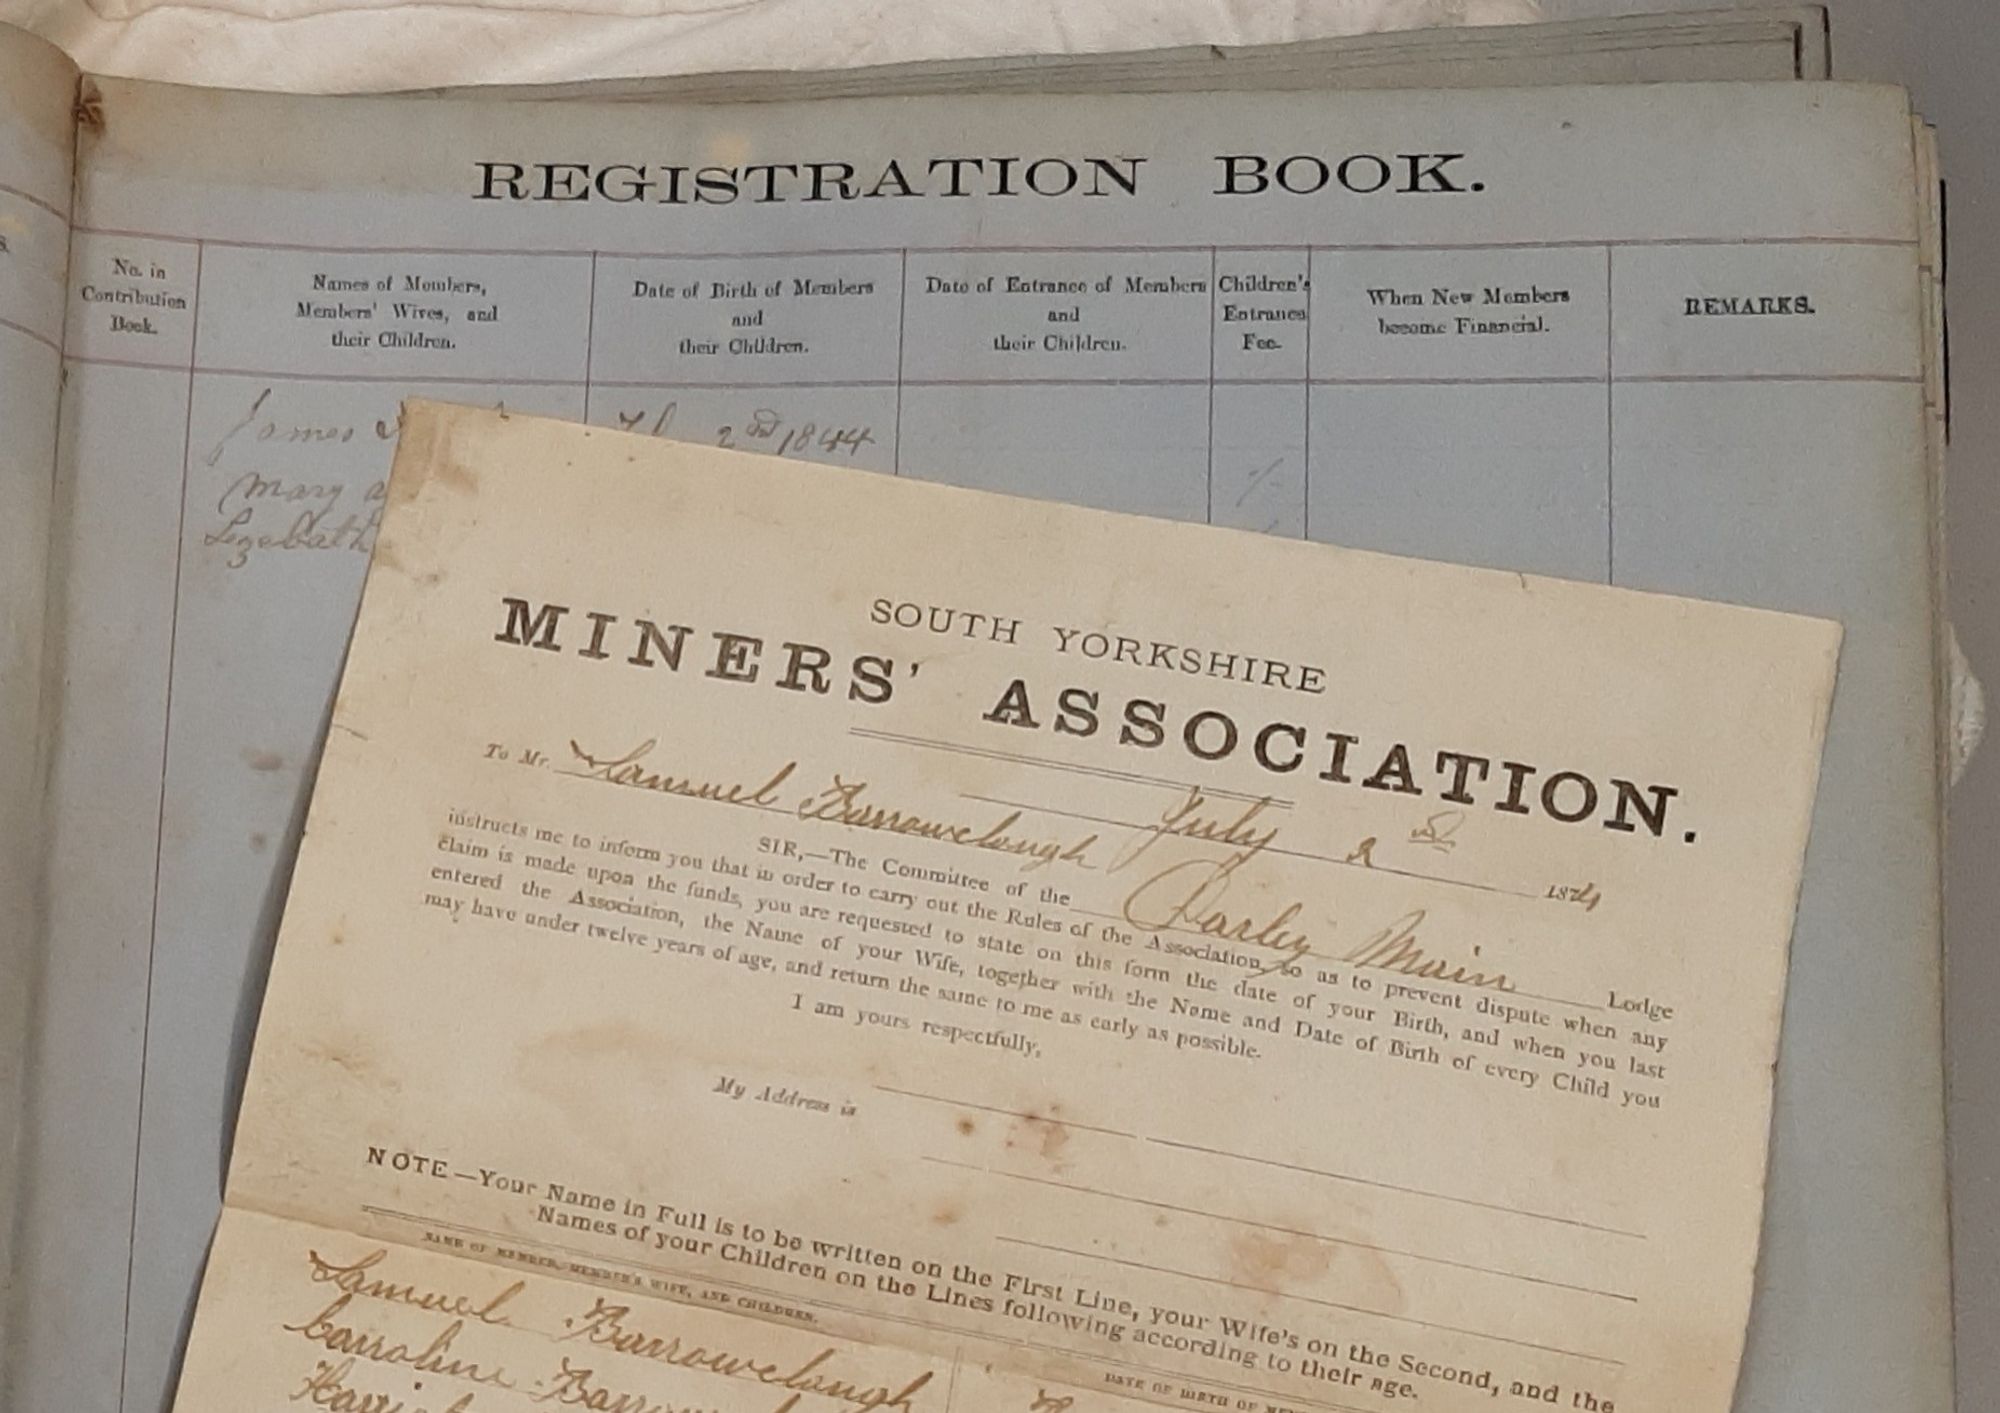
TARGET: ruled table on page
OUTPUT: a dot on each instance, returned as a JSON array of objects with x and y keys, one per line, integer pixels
[
  {"x": 1256, "y": 387},
  {"x": 1623, "y": 406},
  {"x": 1454, "y": 402}
]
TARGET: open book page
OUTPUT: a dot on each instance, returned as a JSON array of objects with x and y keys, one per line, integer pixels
[
  {"x": 37, "y": 138},
  {"x": 983, "y": 927},
  {"x": 1535, "y": 353},
  {"x": 1711, "y": 46}
]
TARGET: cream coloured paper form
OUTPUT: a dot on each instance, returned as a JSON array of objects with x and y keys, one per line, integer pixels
[{"x": 985, "y": 930}]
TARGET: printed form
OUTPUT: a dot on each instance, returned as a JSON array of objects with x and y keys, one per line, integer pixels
[{"x": 972, "y": 931}]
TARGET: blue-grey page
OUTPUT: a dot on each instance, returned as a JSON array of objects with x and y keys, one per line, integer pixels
[{"x": 1662, "y": 337}]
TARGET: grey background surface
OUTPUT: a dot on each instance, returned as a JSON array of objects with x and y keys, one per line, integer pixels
[{"x": 1948, "y": 53}]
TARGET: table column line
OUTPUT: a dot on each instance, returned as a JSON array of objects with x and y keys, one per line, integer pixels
[
  {"x": 1610, "y": 438},
  {"x": 1209, "y": 515},
  {"x": 902, "y": 308},
  {"x": 160, "y": 823},
  {"x": 589, "y": 334},
  {"x": 1306, "y": 470}
]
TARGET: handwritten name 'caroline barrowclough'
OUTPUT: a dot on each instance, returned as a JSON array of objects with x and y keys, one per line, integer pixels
[
  {"x": 762, "y": 183},
  {"x": 1281, "y": 747}
]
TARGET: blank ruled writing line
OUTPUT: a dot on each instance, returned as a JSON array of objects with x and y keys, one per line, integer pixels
[
  {"x": 747, "y": 385},
  {"x": 1398, "y": 1187},
  {"x": 1157, "y": 1205},
  {"x": 996, "y": 1109},
  {"x": 1316, "y": 1300},
  {"x": 1305, "y": 854},
  {"x": 1065, "y": 382},
  {"x": 675, "y": 384},
  {"x": 1589, "y": 379},
  {"x": 1768, "y": 378},
  {"x": 1404, "y": 1189},
  {"x": 986, "y": 753},
  {"x": 1556, "y": 1000}
]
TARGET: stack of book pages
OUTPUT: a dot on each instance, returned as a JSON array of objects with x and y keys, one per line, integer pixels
[{"x": 1650, "y": 302}]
